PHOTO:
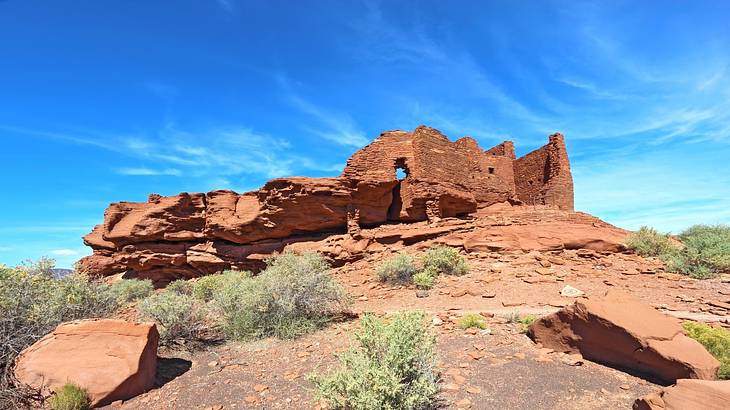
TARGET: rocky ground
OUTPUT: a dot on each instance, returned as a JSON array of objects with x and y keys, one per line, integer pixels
[{"x": 500, "y": 368}]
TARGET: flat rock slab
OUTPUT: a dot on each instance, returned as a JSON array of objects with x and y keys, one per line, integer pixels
[
  {"x": 111, "y": 359},
  {"x": 688, "y": 395},
  {"x": 618, "y": 330}
]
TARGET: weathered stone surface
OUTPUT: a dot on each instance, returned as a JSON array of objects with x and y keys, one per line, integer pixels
[
  {"x": 111, "y": 359},
  {"x": 563, "y": 231},
  {"x": 618, "y": 330},
  {"x": 194, "y": 234},
  {"x": 688, "y": 394}
]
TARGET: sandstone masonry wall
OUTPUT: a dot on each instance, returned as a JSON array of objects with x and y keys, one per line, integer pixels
[{"x": 543, "y": 176}]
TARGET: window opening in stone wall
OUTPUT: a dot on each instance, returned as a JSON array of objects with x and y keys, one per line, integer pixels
[
  {"x": 401, "y": 170},
  {"x": 491, "y": 170}
]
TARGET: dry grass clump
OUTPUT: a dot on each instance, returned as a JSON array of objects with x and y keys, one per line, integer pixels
[{"x": 70, "y": 397}]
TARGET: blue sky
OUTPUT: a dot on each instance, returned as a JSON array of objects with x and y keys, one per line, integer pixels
[{"x": 103, "y": 101}]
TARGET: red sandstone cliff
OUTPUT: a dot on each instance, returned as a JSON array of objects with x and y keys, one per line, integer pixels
[{"x": 193, "y": 234}]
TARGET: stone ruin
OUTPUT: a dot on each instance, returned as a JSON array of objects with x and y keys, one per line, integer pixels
[{"x": 194, "y": 234}]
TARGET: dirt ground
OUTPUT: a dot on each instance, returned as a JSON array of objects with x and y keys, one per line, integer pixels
[{"x": 496, "y": 369}]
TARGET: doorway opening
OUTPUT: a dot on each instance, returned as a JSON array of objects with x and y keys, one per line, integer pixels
[{"x": 396, "y": 204}]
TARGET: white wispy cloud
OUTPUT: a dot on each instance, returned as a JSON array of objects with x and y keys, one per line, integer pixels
[
  {"x": 5, "y": 249},
  {"x": 336, "y": 127},
  {"x": 47, "y": 229},
  {"x": 149, "y": 172},
  {"x": 224, "y": 153},
  {"x": 64, "y": 252}
]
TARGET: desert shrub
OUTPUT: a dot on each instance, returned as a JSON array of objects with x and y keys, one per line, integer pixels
[
  {"x": 180, "y": 286},
  {"x": 130, "y": 290},
  {"x": 32, "y": 304},
  {"x": 426, "y": 278},
  {"x": 472, "y": 320},
  {"x": 177, "y": 316},
  {"x": 681, "y": 263},
  {"x": 203, "y": 288},
  {"x": 525, "y": 322},
  {"x": 42, "y": 267},
  {"x": 715, "y": 340},
  {"x": 391, "y": 365},
  {"x": 397, "y": 269},
  {"x": 70, "y": 397},
  {"x": 446, "y": 260},
  {"x": 294, "y": 295},
  {"x": 648, "y": 242},
  {"x": 706, "y": 251}
]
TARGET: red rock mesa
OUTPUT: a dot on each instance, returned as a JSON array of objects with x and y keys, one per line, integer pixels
[{"x": 194, "y": 234}]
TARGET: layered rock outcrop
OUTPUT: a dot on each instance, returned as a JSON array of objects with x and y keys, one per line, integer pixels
[
  {"x": 618, "y": 330},
  {"x": 688, "y": 395},
  {"x": 193, "y": 234},
  {"x": 111, "y": 359}
]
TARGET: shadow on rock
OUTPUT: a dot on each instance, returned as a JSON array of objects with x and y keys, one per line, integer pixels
[{"x": 170, "y": 368}]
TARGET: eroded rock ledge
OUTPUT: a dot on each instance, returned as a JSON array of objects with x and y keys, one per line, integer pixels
[{"x": 194, "y": 234}]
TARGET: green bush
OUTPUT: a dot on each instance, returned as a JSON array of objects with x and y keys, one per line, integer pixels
[
  {"x": 294, "y": 295},
  {"x": 180, "y": 286},
  {"x": 472, "y": 320},
  {"x": 425, "y": 279},
  {"x": 177, "y": 316},
  {"x": 446, "y": 260},
  {"x": 398, "y": 269},
  {"x": 648, "y": 242},
  {"x": 525, "y": 322},
  {"x": 391, "y": 365},
  {"x": 70, "y": 397},
  {"x": 203, "y": 288},
  {"x": 706, "y": 251},
  {"x": 716, "y": 341},
  {"x": 33, "y": 303},
  {"x": 681, "y": 263},
  {"x": 127, "y": 291}
]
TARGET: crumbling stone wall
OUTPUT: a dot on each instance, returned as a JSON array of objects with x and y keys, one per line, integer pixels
[
  {"x": 193, "y": 234},
  {"x": 543, "y": 176}
]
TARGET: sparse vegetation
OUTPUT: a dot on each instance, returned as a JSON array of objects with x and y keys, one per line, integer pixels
[
  {"x": 180, "y": 286},
  {"x": 130, "y": 290},
  {"x": 398, "y": 269},
  {"x": 203, "y": 288},
  {"x": 472, "y": 320},
  {"x": 177, "y": 316},
  {"x": 391, "y": 365},
  {"x": 525, "y": 322},
  {"x": 426, "y": 278},
  {"x": 446, "y": 260},
  {"x": 70, "y": 397},
  {"x": 649, "y": 242},
  {"x": 33, "y": 303},
  {"x": 404, "y": 268},
  {"x": 704, "y": 253},
  {"x": 294, "y": 295},
  {"x": 715, "y": 340}
]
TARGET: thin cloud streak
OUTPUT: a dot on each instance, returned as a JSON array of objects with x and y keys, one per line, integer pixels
[{"x": 149, "y": 172}]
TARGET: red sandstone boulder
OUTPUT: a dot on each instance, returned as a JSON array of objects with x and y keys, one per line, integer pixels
[
  {"x": 111, "y": 359},
  {"x": 618, "y": 330},
  {"x": 688, "y": 395}
]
